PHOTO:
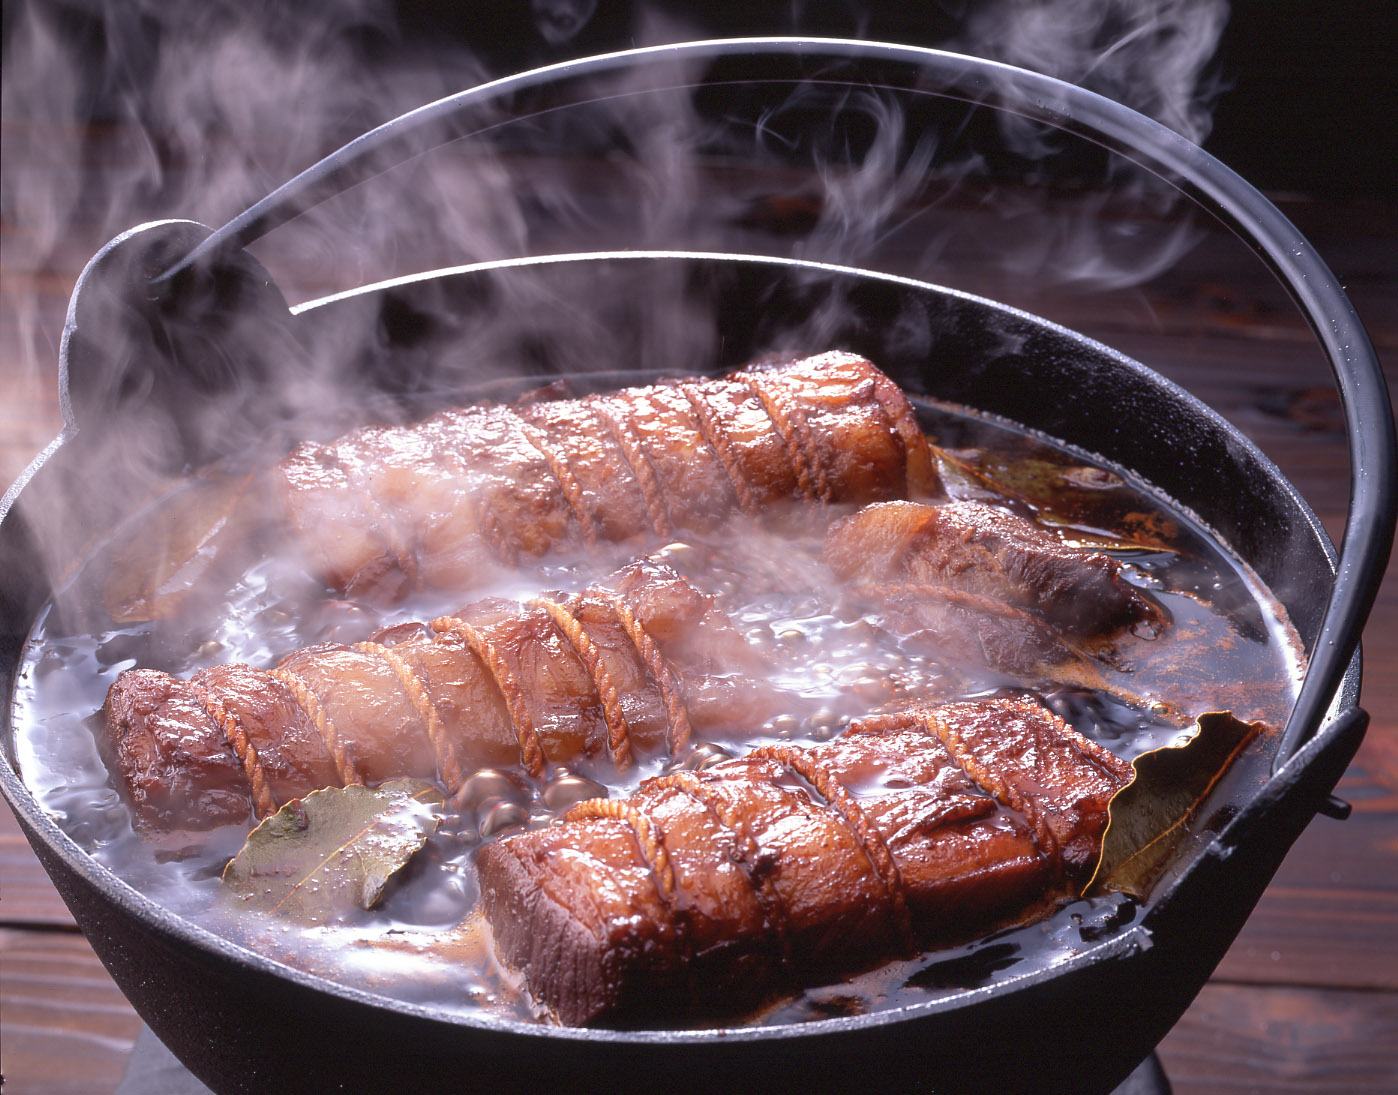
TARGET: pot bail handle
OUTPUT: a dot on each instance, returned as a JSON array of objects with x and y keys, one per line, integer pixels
[
  {"x": 1369, "y": 424},
  {"x": 793, "y": 61}
]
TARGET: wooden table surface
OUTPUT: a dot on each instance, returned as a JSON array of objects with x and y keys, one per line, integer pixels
[{"x": 1307, "y": 999}]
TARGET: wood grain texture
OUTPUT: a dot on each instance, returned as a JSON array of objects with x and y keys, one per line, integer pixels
[
  {"x": 65, "y": 1028},
  {"x": 27, "y": 897},
  {"x": 1281, "y": 1041},
  {"x": 1330, "y": 915}
]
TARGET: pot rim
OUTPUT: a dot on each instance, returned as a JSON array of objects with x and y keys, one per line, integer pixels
[{"x": 1130, "y": 941}]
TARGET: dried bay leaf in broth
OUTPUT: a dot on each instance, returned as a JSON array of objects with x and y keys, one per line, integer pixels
[
  {"x": 334, "y": 851},
  {"x": 1147, "y": 818},
  {"x": 1088, "y": 506}
]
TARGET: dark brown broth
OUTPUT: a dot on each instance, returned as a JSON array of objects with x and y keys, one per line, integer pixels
[{"x": 1229, "y": 649}]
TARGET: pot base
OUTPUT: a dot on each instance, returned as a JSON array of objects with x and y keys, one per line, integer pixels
[{"x": 154, "y": 1070}]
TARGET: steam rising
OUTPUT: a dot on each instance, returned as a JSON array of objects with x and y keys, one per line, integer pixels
[
  {"x": 123, "y": 111},
  {"x": 118, "y": 112},
  {"x": 1152, "y": 55}
]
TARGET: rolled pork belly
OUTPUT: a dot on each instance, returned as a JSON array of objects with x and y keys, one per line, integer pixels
[
  {"x": 628, "y": 668},
  {"x": 705, "y": 892},
  {"x": 444, "y": 503},
  {"x": 990, "y": 594},
  {"x": 990, "y": 552}
]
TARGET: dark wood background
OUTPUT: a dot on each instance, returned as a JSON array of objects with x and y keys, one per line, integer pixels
[{"x": 1307, "y": 999}]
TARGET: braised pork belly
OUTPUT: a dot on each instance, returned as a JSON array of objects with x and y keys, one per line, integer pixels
[
  {"x": 590, "y": 678},
  {"x": 704, "y": 891},
  {"x": 446, "y": 503}
]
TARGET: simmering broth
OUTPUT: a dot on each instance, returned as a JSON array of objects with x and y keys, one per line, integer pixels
[{"x": 1229, "y": 648}]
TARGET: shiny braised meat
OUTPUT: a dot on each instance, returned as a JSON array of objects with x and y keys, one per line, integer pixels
[
  {"x": 706, "y": 891},
  {"x": 980, "y": 589},
  {"x": 447, "y": 502},
  {"x": 984, "y": 550},
  {"x": 625, "y": 670}
]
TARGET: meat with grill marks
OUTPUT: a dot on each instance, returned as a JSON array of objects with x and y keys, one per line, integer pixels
[
  {"x": 627, "y": 669},
  {"x": 446, "y": 502},
  {"x": 706, "y": 891}
]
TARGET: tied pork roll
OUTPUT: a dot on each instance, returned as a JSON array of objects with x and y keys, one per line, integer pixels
[
  {"x": 989, "y": 552},
  {"x": 706, "y": 891},
  {"x": 629, "y": 668},
  {"x": 990, "y": 593},
  {"x": 465, "y": 493}
]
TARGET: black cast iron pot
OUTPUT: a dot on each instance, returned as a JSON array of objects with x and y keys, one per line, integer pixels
[{"x": 187, "y": 303}]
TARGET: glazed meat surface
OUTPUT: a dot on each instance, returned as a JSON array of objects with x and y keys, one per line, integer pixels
[
  {"x": 986, "y": 550},
  {"x": 467, "y": 493},
  {"x": 705, "y": 891},
  {"x": 626, "y": 669},
  {"x": 990, "y": 594}
]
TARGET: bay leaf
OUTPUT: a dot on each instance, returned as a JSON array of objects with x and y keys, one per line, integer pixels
[
  {"x": 1080, "y": 502},
  {"x": 333, "y": 851},
  {"x": 1147, "y": 818}
]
